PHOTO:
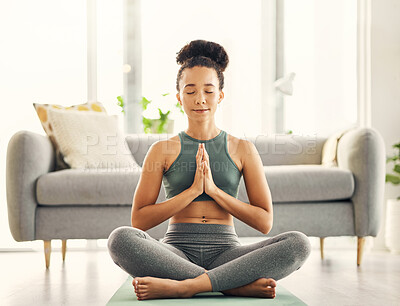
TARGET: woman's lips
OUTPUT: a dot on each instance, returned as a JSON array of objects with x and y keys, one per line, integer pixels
[{"x": 201, "y": 111}]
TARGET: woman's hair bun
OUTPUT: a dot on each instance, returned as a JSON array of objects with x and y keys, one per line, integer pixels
[{"x": 204, "y": 48}]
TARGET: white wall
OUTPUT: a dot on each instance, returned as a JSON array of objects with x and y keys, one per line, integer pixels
[{"x": 385, "y": 70}]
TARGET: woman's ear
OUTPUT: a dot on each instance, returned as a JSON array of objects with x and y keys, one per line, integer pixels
[
  {"x": 221, "y": 96},
  {"x": 178, "y": 97}
]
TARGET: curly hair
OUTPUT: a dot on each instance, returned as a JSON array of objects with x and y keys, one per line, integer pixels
[{"x": 205, "y": 54}]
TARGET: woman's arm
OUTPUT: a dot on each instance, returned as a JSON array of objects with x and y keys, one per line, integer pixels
[
  {"x": 145, "y": 213},
  {"x": 259, "y": 213}
]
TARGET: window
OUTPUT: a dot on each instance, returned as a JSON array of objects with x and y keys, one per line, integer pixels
[
  {"x": 44, "y": 60},
  {"x": 320, "y": 46}
]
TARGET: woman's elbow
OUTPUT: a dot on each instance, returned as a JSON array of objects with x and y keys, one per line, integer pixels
[
  {"x": 266, "y": 226},
  {"x": 135, "y": 220},
  {"x": 133, "y": 223},
  {"x": 266, "y": 230},
  {"x": 137, "y": 225}
]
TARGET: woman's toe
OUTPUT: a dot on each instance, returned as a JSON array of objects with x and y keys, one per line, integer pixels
[{"x": 269, "y": 290}]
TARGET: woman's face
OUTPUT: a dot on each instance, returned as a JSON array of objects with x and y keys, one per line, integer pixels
[{"x": 199, "y": 89}]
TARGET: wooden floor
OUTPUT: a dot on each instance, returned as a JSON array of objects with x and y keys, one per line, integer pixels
[{"x": 91, "y": 278}]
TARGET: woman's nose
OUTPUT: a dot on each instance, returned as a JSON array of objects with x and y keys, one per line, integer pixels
[{"x": 200, "y": 99}]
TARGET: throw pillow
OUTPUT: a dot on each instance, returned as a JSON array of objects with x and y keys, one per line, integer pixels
[
  {"x": 42, "y": 111},
  {"x": 329, "y": 149},
  {"x": 89, "y": 140}
]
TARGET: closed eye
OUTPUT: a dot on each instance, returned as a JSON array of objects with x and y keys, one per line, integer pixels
[{"x": 209, "y": 92}]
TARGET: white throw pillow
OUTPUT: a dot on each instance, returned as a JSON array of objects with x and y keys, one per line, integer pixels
[
  {"x": 329, "y": 149},
  {"x": 91, "y": 140}
]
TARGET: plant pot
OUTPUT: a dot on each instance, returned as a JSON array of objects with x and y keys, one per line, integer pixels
[
  {"x": 169, "y": 126},
  {"x": 392, "y": 235}
]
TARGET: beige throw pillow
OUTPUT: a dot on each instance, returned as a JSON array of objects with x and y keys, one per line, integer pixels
[
  {"x": 42, "y": 112},
  {"x": 91, "y": 141},
  {"x": 329, "y": 149}
]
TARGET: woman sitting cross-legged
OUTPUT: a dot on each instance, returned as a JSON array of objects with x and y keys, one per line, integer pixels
[{"x": 201, "y": 168}]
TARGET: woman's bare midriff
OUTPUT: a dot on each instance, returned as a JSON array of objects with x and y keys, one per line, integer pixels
[{"x": 203, "y": 212}]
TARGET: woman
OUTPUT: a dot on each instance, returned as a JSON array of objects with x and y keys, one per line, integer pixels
[{"x": 201, "y": 168}]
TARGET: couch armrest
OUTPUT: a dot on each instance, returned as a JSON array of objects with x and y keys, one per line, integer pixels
[
  {"x": 29, "y": 155},
  {"x": 362, "y": 151}
]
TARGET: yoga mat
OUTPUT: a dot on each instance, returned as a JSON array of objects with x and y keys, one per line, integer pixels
[{"x": 125, "y": 295}]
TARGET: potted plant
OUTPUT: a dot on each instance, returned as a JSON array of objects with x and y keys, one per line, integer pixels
[
  {"x": 392, "y": 237},
  {"x": 156, "y": 115}
]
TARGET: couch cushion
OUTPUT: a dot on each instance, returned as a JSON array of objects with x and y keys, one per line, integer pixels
[
  {"x": 305, "y": 183},
  {"x": 87, "y": 187},
  {"x": 288, "y": 183}
]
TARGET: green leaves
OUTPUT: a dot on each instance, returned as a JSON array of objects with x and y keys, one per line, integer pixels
[
  {"x": 150, "y": 125},
  {"x": 147, "y": 124},
  {"x": 394, "y": 177},
  {"x": 144, "y": 103},
  {"x": 163, "y": 120},
  {"x": 121, "y": 103},
  {"x": 180, "y": 107},
  {"x": 159, "y": 124}
]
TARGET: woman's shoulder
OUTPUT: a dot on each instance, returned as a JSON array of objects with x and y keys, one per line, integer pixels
[
  {"x": 232, "y": 138},
  {"x": 161, "y": 151},
  {"x": 171, "y": 140},
  {"x": 241, "y": 145},
  {"x": 167, "y": 146}
]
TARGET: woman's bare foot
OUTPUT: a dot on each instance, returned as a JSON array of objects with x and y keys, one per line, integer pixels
[
  {"x": 262, "y": 287},
  {"x": 155, "y": 288}
]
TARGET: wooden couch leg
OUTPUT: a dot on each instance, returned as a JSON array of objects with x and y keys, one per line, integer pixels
[
  {"x": 47, "y": 252},
  {"x": 360, "y": 249},
  {"x": 64, "y": 249},
  {"x": 321, "y": 243}
]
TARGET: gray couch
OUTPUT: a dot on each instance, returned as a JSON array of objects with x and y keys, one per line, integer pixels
[{"x": 320, "y": 201}]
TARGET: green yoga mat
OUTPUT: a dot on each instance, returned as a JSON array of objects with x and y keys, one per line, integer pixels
[{"x": 125, "y": 295}]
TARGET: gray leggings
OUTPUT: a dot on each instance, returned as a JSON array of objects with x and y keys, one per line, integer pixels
[{"x": 187, "y": 249}]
